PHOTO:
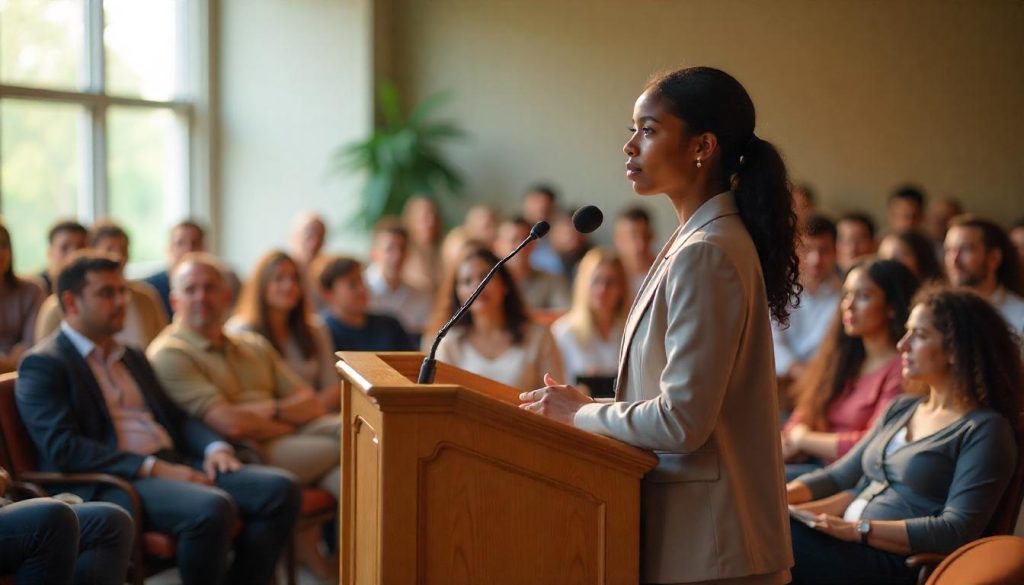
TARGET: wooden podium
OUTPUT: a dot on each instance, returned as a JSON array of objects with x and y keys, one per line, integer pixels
[{"x": 453, "y": 484}]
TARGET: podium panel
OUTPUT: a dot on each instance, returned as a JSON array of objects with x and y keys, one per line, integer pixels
[{"x": 452, "y": 484}]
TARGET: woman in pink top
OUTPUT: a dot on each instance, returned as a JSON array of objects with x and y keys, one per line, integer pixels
[{"x": 856, "y": 372}]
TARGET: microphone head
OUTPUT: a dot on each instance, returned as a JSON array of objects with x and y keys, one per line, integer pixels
[
  {"x": 539, "y": 229},
  {"x": 587, "y": 219}
]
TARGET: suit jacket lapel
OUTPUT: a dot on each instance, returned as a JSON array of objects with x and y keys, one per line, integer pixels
[
  {"x": 718, "y": 206},
  {"x": 85, "y": 381}
]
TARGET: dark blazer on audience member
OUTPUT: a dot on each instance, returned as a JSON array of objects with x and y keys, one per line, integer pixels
[{"x": 65, "y": 413}]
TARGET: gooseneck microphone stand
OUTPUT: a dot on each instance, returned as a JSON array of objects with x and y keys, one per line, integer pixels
[{"x": 429, "y": 367}]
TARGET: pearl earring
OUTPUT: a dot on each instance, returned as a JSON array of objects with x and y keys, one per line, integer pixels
[{"x": 698, "y": 162}]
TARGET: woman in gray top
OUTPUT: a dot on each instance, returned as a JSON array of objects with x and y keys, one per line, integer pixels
[{"x": 931, "y": 471}]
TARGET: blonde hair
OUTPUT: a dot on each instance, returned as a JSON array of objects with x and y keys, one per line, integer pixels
[{"x": 580, "y": 316}]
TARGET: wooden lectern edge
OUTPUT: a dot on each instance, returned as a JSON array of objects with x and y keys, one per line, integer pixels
[{"x": 402, "y": 394}]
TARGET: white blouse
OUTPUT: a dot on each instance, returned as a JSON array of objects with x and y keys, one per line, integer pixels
[
  {"x": 601, "y": 358},
  {"x": 522, "y": 366}
]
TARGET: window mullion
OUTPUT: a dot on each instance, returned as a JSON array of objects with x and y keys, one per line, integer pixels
[{"x": 95, "y": 83}]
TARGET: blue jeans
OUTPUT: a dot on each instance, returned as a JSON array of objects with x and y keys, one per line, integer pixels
[
  {"x": 824, "y": 560},
  {"x": 41, "y": 539},
  {"x": 203, "y": 519}
]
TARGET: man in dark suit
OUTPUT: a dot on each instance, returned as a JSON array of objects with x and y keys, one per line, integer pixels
[{"x": 92, "y": 405}]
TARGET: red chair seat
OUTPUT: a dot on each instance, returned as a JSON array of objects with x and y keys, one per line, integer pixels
[
  {"x": 159, "y": 545},
  {"x": 316, "y": 500}
]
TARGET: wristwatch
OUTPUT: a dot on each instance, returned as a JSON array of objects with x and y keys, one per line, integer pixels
[{"x": 864, "y": 528}]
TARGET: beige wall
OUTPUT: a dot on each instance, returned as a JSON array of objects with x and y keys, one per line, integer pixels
[
  {"x": 295, "y": 78},
  {"x": 859, "y": 95}
]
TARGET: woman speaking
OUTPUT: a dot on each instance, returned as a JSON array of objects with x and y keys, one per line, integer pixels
[{"x": 696, "y": 376}]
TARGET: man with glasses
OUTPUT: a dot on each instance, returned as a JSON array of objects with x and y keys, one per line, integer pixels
[{"x": 91, "y": 404}]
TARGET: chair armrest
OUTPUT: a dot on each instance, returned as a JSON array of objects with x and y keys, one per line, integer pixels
[
  {"x": 924, "y": 560},
  {"x": 55, "y": 478},
  {"x": 26, "y": 490}
]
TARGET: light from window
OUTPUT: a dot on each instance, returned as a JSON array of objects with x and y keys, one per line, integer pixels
[
  {"x": 145, "y": 179},
  {"x": 40, "y": 172},
  {"x": 41, "y": 43}
]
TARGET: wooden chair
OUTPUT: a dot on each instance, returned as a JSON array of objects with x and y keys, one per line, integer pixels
[
  {"x": 1003, "y": 520},
  {"x": 153, "y": 551}
]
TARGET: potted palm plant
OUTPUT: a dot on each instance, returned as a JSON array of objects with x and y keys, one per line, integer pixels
[{"x": 402, "y": 157}]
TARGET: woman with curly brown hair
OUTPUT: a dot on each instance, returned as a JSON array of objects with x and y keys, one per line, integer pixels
[{"x": 929, "y": 474}]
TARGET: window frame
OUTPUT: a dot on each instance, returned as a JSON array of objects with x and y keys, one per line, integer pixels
[{"x": 191, "y": 106}]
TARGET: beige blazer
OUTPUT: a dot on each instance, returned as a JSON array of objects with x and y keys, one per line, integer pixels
[{"x": 696, "y": 384}]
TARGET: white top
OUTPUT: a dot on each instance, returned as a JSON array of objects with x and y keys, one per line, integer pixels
[
  {"x": 522, "y": 365},
  {"x": 506, "y": 368},
  {"x": 856, "y": 508},
  {"x": 409, "y": 305},
  {"x": 600, "y": 359},
  {"x": 1011, "y": 306},
  {"x": 808, "y": 324}
]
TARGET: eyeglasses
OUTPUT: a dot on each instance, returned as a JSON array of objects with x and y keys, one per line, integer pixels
[{"x": 109, "y": 293}]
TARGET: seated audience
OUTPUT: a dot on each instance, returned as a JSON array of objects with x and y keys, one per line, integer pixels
[
  {"x": 92, "y": 405},
  {"x": 905, "y": 212},
  {"x": 47, "y": 541},
  {"x": 309, "y": 232},
  {"x": 422, "y": 221},
  {"x": 273, "y": 304},
  {"x": 855, "y": 238},
  {"x": 590, "y": 334},
  {"x": 480, "y": 225},
  {"x": 914, "y": 251},
  {"x": 187, "y": 236},
  {"x": 805, "y": 202},
  {"x": 19, "y": 304},
  {"x": 633, "y": 236},
  {"x": 65, "y": 237},
  {"x": 351, "y": 325},
  {"x": 796, "y": 344},
  {"x": 495, "y": 337},
  {"x": 389, "y": 293},
  {"x": 144, "y": 314},
  {"x": 541, "y": 290},
  {"x": 1017, "y": 237},
  {"x": 979, "y": 255},
  {"x": 940, "y": 213},
  {"x": 856, "y": 373},
  {"x": 239, "y": 385},
  {"x": 568, "y": 243},
  {"x": 930, "y": 473},
  {"x": 540, "y": 204}
]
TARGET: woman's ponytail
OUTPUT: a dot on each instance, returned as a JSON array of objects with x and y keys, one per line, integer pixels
[
  {"x": 766, "y": 205},
  {"x": 711, "y": 100}
]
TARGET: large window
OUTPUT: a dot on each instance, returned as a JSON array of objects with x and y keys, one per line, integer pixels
[{"x": 97, "y": 106}]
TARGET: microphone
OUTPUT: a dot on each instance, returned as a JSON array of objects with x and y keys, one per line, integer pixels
[
  {"x": 429, "y": 366},
  {"x": 587, "y": 219}
]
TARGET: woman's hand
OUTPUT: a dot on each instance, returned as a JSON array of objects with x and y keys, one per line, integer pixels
[
  {"x": 795, "y": 436},
  {"x": 556, "y": 401},
  {"x": 789, "y": 450},
  {"x": 836, "y": 527}
]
